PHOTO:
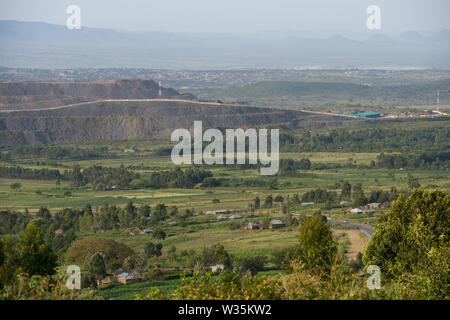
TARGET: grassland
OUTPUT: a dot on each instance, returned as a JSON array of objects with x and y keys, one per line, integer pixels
[{"x": 203, "y": 230}]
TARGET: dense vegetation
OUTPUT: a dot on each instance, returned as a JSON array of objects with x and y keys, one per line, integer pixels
[{"x": 369, "y": 139}]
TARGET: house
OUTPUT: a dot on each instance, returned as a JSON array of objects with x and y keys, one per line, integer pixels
[
  {"x": 252, "y": 226},
  {"x": 117, "y": 272},
  {"x": 137, "y": 275},
  {"x": 307, "y": 203},
  {"x": 107, "y": 280},
  {"x": 217, "y": 267},
  {"x": 147, "y": 230},
  {"x": 126, "y": 278},
  {"x": 235, "y": 216},
  {"x": 221, "y": 218},
  {"x": 126, "y": 232},
  {"x": 276, "y": 224},
  {"x": 137, "y": 231},
  {"x": 386, "y": 204},
  {"x": 355, "y": 210},
  {"x": 373, "y": 205}
]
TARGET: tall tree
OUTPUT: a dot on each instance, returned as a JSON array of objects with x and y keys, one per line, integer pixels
[
  {"x": 412, "y": 241},
  {"x": 96, "y": 266},
  {"x": 317, "y": 248},
  {"x": 36, "y": 257}
]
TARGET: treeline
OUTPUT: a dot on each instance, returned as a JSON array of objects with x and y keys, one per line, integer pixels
[
  {"x": 368, "y": 139},
  {"x": 289, "y": 167},
  {"x": 426, "y": 160},
  {"x": 60, "y": 227},
  {"x": 102, "y": 178},
  {"x": 178, "y": 178},
  {"x": 106, "y": 178},
  {"x": 18, "y": 172},
  {"x": 60, "y": 152}
]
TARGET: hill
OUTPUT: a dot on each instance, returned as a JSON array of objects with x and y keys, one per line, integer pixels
[
  {"x": 137, "y": 119},
  {"x": 26, "y": 95}
]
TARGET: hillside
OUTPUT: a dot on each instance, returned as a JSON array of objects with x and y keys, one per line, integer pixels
[
  {"x": 26, "y": 95},
  {"x": 316, "y": 94},
  {"x": 121, "y": 120}
]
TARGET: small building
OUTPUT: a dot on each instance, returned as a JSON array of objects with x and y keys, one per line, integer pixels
[
  {"x": 126, "y": 232},
  {"x": 107, "y": 280},
  {"x": 117, "y": 272},
  {"x": 373, "y": 205},
  {"x": 369, "y": 114},
  {"x": 276, "y": 224},
  {"x": 172, "y": 223},
  {"x": 235, "y": 216},
  {"x": 137, "y": 275},
  {"x": 386, "y": 204},
  {"x": 221, "y": 218},
  {"x": 369, "y": 211},
  {"x": 307, "y": 203},
  {"x": 295, "y": 215},
  {"x": 344, "y": 203},
  {"x": 217, "y": 267},
  {"x": 252, "y": 226},
  {"x": 126, "y": 278},
  {"x": 213, "y": 212},
  {"x": 355, "y": 210},
  {"x": 59, "y": 231},
  {"x": 147, "y": 230},
  {"x": 137, "y": 231}
]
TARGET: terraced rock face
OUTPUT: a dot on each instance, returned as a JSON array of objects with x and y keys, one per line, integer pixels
[
  {"x": 26, "y": 95},
  {"x": 125, "y": 119}
]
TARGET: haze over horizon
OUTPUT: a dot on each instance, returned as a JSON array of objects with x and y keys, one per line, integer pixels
[
  {"x": 261, "y": 17},
  {"x": 200, "y": 34}
]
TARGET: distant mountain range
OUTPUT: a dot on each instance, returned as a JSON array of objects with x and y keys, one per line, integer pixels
[{"x": 43, "y": 45}]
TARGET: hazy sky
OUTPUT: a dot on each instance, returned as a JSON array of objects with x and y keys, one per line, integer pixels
[{"x": 236, "y": 16}]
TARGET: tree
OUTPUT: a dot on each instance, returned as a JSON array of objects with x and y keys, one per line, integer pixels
[
  {"x": 2, "y": 259},
  {"x": 16, "y": 185},
  {"x": 346, "y": 190},
  {"x": 96, "y": 266},
  {"x": 359, "y": 199},
  {"x": 273, "y": 184},
  {"x": 411, "y": 241},
  {"x": 413, "y": 183},
  {"x": 268, "y": 202},
  {"x": 36, "y": 257},
  {"x": 113, "y": 252},
  {"x": 257, "y": 203},
  {"x": 153, "y": 250},
  {"x": 279, "y": 198},
  {"x": 250, "y": 265},
  {"x": 159, "y": 233},
  {"x": 317, "y": 248}
]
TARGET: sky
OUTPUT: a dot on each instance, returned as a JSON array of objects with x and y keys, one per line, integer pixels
[{"x": 236, "y": 16}]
